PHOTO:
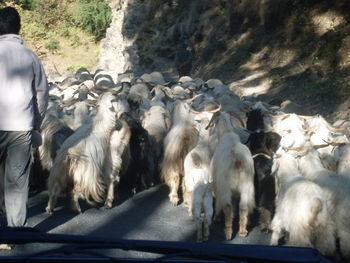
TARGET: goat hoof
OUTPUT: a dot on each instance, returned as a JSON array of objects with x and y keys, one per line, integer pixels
[
  {"x": 174, "y": 200},
  {"x": 49, "y": 210},
  {"x": 273, "y": 243},
  {"x": 108, "y": 205},
  {"x": 77, "y": 209},
  {"x": 264, "y": 229},
  {"x": 243, "y": 233},
  {"x": 228, "y": 234}
]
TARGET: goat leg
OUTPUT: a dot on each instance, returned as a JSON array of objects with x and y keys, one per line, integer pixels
[
  {"x": 54, "y": 191},
  {"x": 228, "y": 212},
  {"x": 243, "y": 222},
  {"x": 206, "y": 230},
  {"x": 276, "y": 231},
  {"x": 51, "y": 204},
  {"x": 174, "y": 188},
  {"x": 264, "y": 219},
  {"x": 188, "y": 200},
  {"x": 110, "y": 193},
  {"x": 75, "y": 201},
  {"x": 199, "y": 225}
]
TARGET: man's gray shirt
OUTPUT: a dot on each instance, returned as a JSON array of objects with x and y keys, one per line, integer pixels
[{"x": 23, "y": 86}]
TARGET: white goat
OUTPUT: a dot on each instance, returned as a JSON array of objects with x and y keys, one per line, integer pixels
[
  {"x": 336, "y": 188},
  {"x": 196, "y": 163},
  {"x": 157, "y": 121},
  {"x": 232, "y": 168},
  {"x": 80, "y": 160},
  {"x": 117, "y": 159},
  {"x": 181, "y": 138},
  {"x": 301, "y": 209}
]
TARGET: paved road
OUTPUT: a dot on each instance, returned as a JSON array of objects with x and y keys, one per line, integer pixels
[{"x": 147, "y": 215}]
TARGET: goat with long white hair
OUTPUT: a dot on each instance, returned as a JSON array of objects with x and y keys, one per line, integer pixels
[
  {"x": 301, "y": 209},
  {"x": 117, "y": 160},
  {"x": 79, "y": 162},
  {"x": 197, "y": 162},
  {"x": 181, "y": 138},
  {"x": 336, "y": 188},
  {"x": 232, "y": 169}
]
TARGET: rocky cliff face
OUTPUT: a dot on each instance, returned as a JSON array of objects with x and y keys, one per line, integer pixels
[{"x": 117, "y": 53}]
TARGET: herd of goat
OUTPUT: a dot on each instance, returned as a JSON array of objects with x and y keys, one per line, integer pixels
[{"x": 218, "y": 154}]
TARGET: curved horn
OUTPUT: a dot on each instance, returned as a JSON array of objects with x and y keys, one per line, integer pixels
[
  {"x": 215, "y": 110},
  {"x": 233, "y": 114},
  {"x": 69, "y": 102},
  {"x": 193, "y": 98},
  {"x": 212, "y": 120},
  {"x": 297, "y": 151}
]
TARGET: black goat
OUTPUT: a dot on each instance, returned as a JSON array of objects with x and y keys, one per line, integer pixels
[
  {"x": 265, "y": 189},
  {"x": 142, "y": 167},
  {"x": 264, "y": 142},
  {"x": 263, "y": 146},
  {"x": 255, "y": 120}
]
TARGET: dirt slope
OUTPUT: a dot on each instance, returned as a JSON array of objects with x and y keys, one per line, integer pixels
[{"x": 273, "y": 49}]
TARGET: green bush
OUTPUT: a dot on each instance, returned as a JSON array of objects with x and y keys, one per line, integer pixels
[
  {"x": 94, "y": 16},
  {"x": 52, "y": 45},
  {"x": 26, "y": 4},
  {"x": 76, "y": 67}
]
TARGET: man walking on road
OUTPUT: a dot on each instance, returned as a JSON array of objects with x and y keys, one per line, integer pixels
[{"x": 23, "y": 102}]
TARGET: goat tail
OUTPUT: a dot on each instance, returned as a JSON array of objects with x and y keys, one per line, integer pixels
[{"x": 315, "y": 210}]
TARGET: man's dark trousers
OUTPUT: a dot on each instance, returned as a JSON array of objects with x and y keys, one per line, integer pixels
[{"x": 15, "y": 164}]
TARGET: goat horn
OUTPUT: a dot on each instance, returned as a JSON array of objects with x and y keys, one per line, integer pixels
[
  {"x": 297, "y": 151},
  {"x": 237, "y": 117},
  {"x": 90, "y": 102},
  {"x": 69, "y": 102},
  {"x": 285, "y": 116},
  {"x": 210, "y": 124},
  {"x": 334, "y": 143},
  {"x": 207, "y": 110},
  {"x": 193, "y": 98},
  {"x": 216, "y": 110},
  {"x": 194, "y": 111},
  {"x": 319, "y": 146},
  {"x": 92, "y": 95},
  {"x": 167, "y": 97},
  {"x": 339, "y": 125}
]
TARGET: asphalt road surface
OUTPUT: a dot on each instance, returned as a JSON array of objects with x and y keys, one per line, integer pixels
[{"x": 147, "y": 215}]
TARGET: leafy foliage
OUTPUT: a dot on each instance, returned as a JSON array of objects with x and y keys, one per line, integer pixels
[{"x": 94, "y": 16}]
